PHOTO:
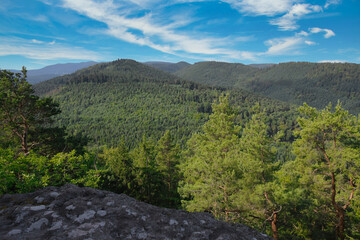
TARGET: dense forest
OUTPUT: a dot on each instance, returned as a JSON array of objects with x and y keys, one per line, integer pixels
[
  {"x": 167, "y": 66},
  {"x": 294, "y": 82},
  {"x": 125, "y": 100},
  {"x": 291, "y": 172}
]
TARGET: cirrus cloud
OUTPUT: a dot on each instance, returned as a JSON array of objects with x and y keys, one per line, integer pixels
[
  {"x": 328, "y": 33},
  {"x": 281, "y": 46},
  {"x": 162, "y": 37},
  {"x": 261, "y": 7},
  {"x": 41, "y": 51},
  {"x": 288, "y": 21}
]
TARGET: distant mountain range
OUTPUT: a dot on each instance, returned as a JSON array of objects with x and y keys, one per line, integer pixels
[
  {"x": 126, "y": 99},
  {"x": 295, "y": 82},
  {"x": 48, "y": 72},
  {"x": 51, "y": 71}
]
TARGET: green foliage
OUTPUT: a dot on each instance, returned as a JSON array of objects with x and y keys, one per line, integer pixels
[
  {"x": 236, "y": 163},
  {"x": 120, "y": 164},
  {"x": 167, "y": 66},
  {"x": 294, "y": 82},
  {"x": 66, "y": 167},
  {"x": 218, "y": 74},
  {"x": 148, "y": 176},
  {"x": 27, "y": 173},
  {"x": 20, "y": 174},
  {"x": 167, "y": 160},
  {"x": 125, "y": 100},
  {"x": 328, "y": 164},
  {"x": 211, "y": 169},
  {"x": 24, "y": 116},
  {"x": 258, "y": 165}
]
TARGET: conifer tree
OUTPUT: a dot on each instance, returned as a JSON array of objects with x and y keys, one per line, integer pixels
[
  {"x": 211, "y": 172},
  {"x": 167, "y": 159},
  {"x": 119, "y": 162},
  {"x": 328, "y": 160},
  {"x": 24, "y": 114},
  {"x": 258, "y": 165},
  {"x": 148, "y": 177}
]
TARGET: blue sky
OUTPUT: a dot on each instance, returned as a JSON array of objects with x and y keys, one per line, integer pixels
[{"x": 36, "y": 33}]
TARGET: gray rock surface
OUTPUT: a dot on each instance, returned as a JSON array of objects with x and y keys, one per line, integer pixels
[{"x": 71, "y": 212}]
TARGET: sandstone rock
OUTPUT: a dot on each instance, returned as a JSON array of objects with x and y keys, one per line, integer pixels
[{"x": 65, "y": 213}]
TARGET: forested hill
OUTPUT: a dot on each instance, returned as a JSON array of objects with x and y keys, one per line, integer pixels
[
  {"x": 294, "y": 82},
  {"x": 125, "y": 99},
  {"x": 167, "y": 66},
  {"x": 217, "y": 73},
  {"x": 124, "y": 70}
]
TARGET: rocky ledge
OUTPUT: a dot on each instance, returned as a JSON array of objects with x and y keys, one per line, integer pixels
[{"x": 71, "y": 212}]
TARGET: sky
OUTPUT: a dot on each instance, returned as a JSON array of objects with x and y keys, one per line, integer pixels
[{"x": 37, "y": 33}]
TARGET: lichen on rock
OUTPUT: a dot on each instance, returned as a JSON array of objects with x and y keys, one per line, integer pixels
[{"x": 65, "y": 213}]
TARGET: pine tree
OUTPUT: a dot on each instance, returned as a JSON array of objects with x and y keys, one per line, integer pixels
[
  {"x": 24, "y": 114},
  {"x": 148, "y": 177},
  {"x": 211, "y": 170},
  {"x": 258, "y": 165},
  {"x": 328, "y": 159},
  {"x": 167, "y": 159},
  {"x": 119, "y": 162}
]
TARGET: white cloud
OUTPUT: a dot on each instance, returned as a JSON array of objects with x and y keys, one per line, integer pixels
[
  {"x": 22, "y": 47},
  {"x": 162, "y": 37},
  {"x": 47, "y": 2},
  {"x": 332, "y": 61},
  {"x": 146, "y": 3},
  {"x": 328, "y": 33},
  {"x": 36, "y": 41},
  {"x": 288, "y": 21},
  {"x": 303, "y": 33},
  {"x": 42, "y": 42},
  {"x": 292, "y": 10},
  {"x": 39, "y": 18},
  {"x": 280, "y": 46},
  {"x": 261, "y": 7},
  {"x": 331, "y": 2},
  {"x": 310, "y": 43}
]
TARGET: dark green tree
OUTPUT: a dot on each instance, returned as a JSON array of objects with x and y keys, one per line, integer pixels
[
  {"x": 167, "y": 159},
  {"x": 259, "y": 165},
  {"x": 23, "y": 114},
  {"x": 148, "y": 176},
  {"x": 120, "y": 164}
]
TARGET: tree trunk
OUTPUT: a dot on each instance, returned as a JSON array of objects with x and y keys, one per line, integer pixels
[
  {"x": 274, "y": 227},
  {"x": 340, "y": 212},
  {"x": 340, "y": 228},
  {"x": 24, "y": 144}
]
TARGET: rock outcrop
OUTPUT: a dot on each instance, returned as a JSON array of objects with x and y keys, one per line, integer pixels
[{"x": 71, "y": 212}]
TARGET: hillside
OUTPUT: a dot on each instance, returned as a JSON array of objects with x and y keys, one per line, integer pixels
[
  {"x": 167, "y": 66},
  {"x": 294, "y": 82},
  {"x": 262, "y": 65},
  {"x": 125, "y": 99},
  {"x": 218, "y": 74}
]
